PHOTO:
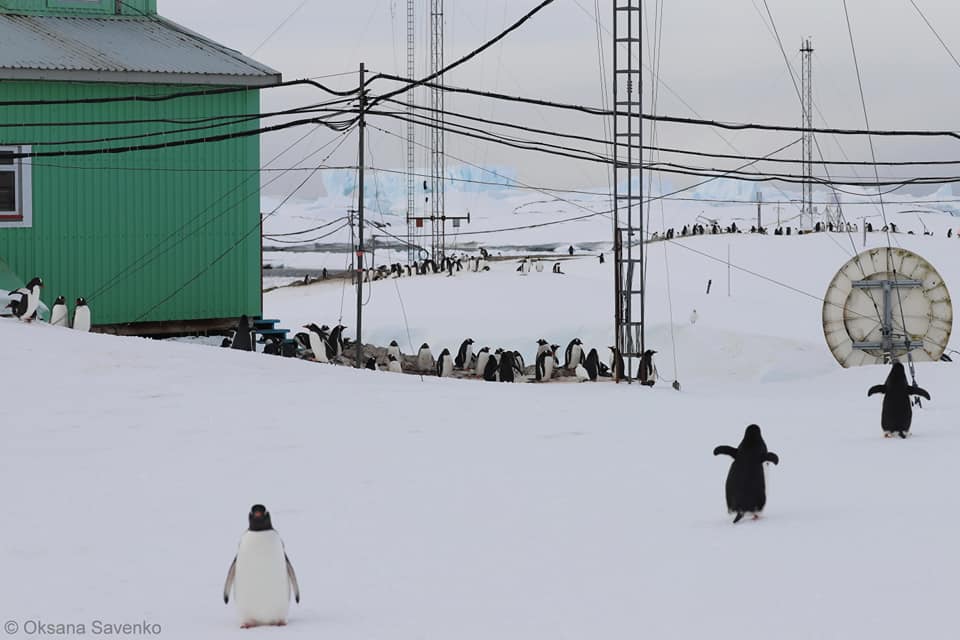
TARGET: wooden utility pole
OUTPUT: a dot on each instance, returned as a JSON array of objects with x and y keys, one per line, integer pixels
[{"x": 362, "y": 124}]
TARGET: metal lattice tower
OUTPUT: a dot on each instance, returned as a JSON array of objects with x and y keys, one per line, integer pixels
[
  {"x": 807, "y": 91},
  {"x": 628, "y": 232},
  {"x": 411, "y": 135},
  {"x": 437, "y": 135}
]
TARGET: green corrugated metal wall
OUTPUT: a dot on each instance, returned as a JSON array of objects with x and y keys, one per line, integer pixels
[{"x": 102, "y": 224}]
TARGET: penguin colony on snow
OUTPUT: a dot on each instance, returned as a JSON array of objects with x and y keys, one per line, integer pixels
[
  {"x": 24, "y": 304},
  {"x": 322, "y": 344}
]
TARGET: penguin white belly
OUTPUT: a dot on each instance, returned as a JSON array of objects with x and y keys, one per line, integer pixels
[
  {"x": 576, "y": 355},
  {"x": 582, "y": 374},
  {"x": 319, "y": 347},
  {"x": 81, "y": 319},
  {"x": 482, "y": 358},
  {"x": 446, "y": 370},
  {"x": 261, "y": 586},
  {"x": 33, "y": 301},
  {"x": 58, "y": 316},
  {"x": 394, "y": 351},
  {"x": 547, "y": 368},
  {"x": 425, "y": 361},
  {"x": 394, "y": 367}
]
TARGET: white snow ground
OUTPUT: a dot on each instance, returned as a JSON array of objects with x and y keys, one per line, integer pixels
[{"x": 452, "y": 509}]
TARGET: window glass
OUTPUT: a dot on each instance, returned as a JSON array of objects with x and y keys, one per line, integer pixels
[{"x": 8, "y": 191}]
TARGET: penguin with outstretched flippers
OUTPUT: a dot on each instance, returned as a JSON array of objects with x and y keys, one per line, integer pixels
[
  {"x": 897, "y": 413},
  {"x": 746, "y": 486}
]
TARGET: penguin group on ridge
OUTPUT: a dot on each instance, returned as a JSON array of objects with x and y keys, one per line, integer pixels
[
  {"x": 448, "y": 265},
  {"x": 24, "y": 304}
]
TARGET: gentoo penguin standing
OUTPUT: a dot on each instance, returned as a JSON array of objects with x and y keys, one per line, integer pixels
[
  {"x": 482, "y": 357},
  {"x": 746, "y": 486},
  {"x": 574, "y": 354},
  {"x": 444, "y": 364},
  {"x": 81, "y": 317},
  {"x": 647, "y": 371},
  {"x": 58, "y": 315},
  {"x": 336, "y": 341},
  {"x": 592, "y": 365},
  {"x": 32, "y": 300},
  {"x": 425, "y": 361},
  {"x": 464, "y": 355},
  {"x": 542, "y": 345},
  {"x": 897, "y": 412},
  {"x": 694, "y": 316},
  {"x": 394, "y": 350},
  {"x": 507, "y": 366},
  {"x": 242, "y": 337},
  {"x": 616, "y": 364},
  {"x": 261, "y": 575},
  {"x": 491, "y": 369},
  {"x": 319, "y": 344},
  {"x": 545, "y": 364},
  {"x": 393, "y": 364}
]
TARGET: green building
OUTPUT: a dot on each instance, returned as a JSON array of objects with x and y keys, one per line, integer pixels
[{"x": 159, "y": 241}]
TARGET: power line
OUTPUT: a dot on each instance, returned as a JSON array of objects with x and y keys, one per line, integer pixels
[
  {"x": 934, "y": 31},
  {"x": 282, "y": 24}
]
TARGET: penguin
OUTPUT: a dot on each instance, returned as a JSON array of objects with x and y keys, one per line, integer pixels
[
  {"x": 58, "y": 315},
  {"x": 319, "y": 344},
  {"x": 81, "y": 317},
  {"x": 897, "y": 413},
  {"x": 694, "y": 316},
  {"x": 242, "y": 337},
  {"x": 464, "y": 355},
  {"x": 545, "y": 364},
  {"x": 647, "y": 372},
  {"x": 482, "y": 357},
  {"x": 394, "y": 350},
  {"x": 616, "y": 364},
  {"x": 425, "y": 361},
  {"x": 261, "y": 575},
  {"x": 32, "y": 297},
  {"x": 371, "y": 364},
  {"x": 573, "y": 356},
  {"x": 393, "y": 364},
  {"x": 592, "y": 365},
  {"x": 519, "y": 364},
  {"x": 491, "y": 369},
  {"x": 746, "y": 487},
  {"x": 507, "y": 366},
  {"x": 542, "y": 345},
  {"x": 18, "y": 307},
  {"x": 225, "y": 343},
  {"x": 336, "y": 342},
  {"x": 444, "y": 364},
  {"x": 582, "y": 374}
]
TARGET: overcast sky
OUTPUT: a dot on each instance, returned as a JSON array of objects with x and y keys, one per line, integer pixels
[{"x": 718, "y": 56}]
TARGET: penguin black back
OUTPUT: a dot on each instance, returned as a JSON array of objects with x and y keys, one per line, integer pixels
[
  {"x": 490, "y": 371},
  {"x": 507, "y": 365},
  {"x": 897, "y": 414},
  {"x": 592, "y": 365},
  {"x": 746, "y": 490},
  {"x": 259, "y": 518}
]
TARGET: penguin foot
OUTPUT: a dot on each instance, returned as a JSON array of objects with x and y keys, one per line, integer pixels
[
  {"x": 902, "y": 434},
  {"x": 248, "y": 625},
  {"x": 738, "y": 518},
  {"x": 756, "y": 516},
  {"x": 279, "y": 623}
]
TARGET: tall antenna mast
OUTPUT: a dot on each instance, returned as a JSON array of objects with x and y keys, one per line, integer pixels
[
  {"x": 628, "y": 234},
  {"x": 438, "y": 223},
  {"x": 411, "y": 135},
  {"x": 807, "y": 91}
]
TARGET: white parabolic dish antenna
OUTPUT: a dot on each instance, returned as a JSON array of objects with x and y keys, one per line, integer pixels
[{"x": 887, "y": 302}]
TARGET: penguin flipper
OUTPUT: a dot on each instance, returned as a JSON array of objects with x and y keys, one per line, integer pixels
[
  {"x": 291, "y": 574},
  {"x": 771, "y": 457},
  {"x": 725, "y": 450},
  {"x": 880, "y": 388},
  {"x": 228, "y": 585},
  {"x": 917, "y": 391}
]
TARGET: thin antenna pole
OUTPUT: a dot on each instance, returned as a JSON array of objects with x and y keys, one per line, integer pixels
[{"x": 363, "y": 125}]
